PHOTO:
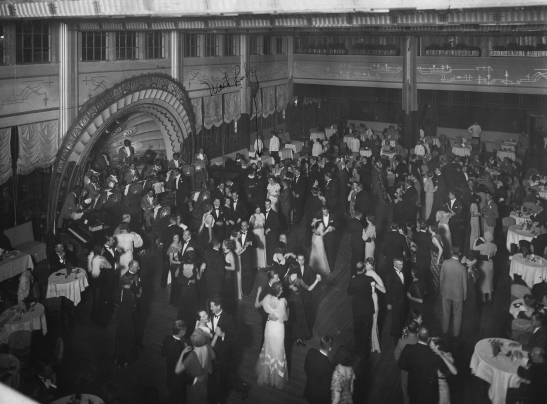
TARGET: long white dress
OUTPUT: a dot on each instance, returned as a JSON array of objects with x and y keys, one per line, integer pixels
[
  {"x": 444, "y": 230},
  {"x": 257, "y": 221},
  {"x": 273, "y": 195},
  {"x": 238, "y": 248},
  {"x": 127, "y": 242},
  {"x": 318, "y": 256},
  {"x": 271, "y": 367},
  {"x": 374, "y": 340},
  {"x": 369, "y": 234}
]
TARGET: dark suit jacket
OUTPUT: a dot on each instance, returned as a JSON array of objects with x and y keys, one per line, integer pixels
[
  {"x": 171, "y": 350},
  {"x": 362, "y": 202},
  {"x": 395, "y": 289},
  {"x": 361, "y": 291},
  {"x": 394, "y": 246},
  {"x": 539, "y": 243},
  {"x": 423, "y": 254},
  {"x": 248, "y": 255},
  {"x": 331, "y": 193},
  {"x": 422, "y": 365},
  {"x": 538, "y": 339},
  {"x": 355, "y": 229},
  {"x": 272, "y": 222},
  {"x": 69, "y": 206},
  {"x": 183, "y": 190},
  {"x": 214, "y": 271},
  {"x": 540, "y": 217},
  {"x": 55, "y": 262},
  {"x": 299, "y": 188},
  {"x": 457, "y": 209},
  {"x": 217, "y": 194},
  {"x": 224, "y": 345},
  {"x": 111, "y": 258},
  {"x": 535, "y": 375},
  {"x": 240, "y": 211},
  {"x": 192, "y": 244},
  {"x": 318, "y": 371},
  {"x": 122, "y": 153}
]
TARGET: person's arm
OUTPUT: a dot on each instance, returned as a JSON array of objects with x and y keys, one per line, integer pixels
[
  {"x": 448, "y": 361},
  {"x": 440, "y": 247},
  {"x": 310, "y": 288},
  {"x": 179, "y": 368},
  {"x": 379, "y": 283},
  {"x": 230, "y": 266},
  {"x": 257, "y": 302}
]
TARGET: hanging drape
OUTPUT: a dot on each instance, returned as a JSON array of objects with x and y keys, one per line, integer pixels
[
  {"x": 5, "y": 155},
  {"x": 268, "y": 101},
  {"x": 196, "y": 104},
  {"x": 309, "y": 100},
  {"x": 281, "y": 97},
  {"x": 232, "y": 107},
  {"x": 38, "y": 145},
  {"x": 258, "y": 104},
  {"x": 212, "y": 107}
]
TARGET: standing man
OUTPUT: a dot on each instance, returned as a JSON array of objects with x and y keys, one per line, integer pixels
[
  {"x": 362, "y": 201},
  {"x": 489, "y": 214},
  {"x": 247, "y": 241},
  {"x": 126, "y": 153},
  {"x": 286, "y": 203},
  {"x": 70, "y": 206},
  {"x": 148, "y": 203},
  {"x": 308, "y": 276},
  {"x": 171, "y": 349},
  {"x": 344, "y": 176},
  {"x": 298, "y": 188},
  {"x": 360, "y": 288},
  {"x": 181, "y": 186},
  {"x": 214, "y": 269},
  {"x": 453, "y": 287},
  {"x": 239, "y": 209},
  {"x": 251, "y": 190},
  {"x": 274, "y": 147},
  {"x": 455, "y": 208},
  {"x": 331, "y": 193},
  {"x": 166, "y": 240},
  {"x": 176, "y": 162},
  {"x": 422, "y": 239},
  {"x": 355, "y": 229},
  {"x": 475, "y": 131},
  {"x": 318, "y": 369},
  {"x": 273, "y": 277},
  {"x": 220, "y": 220},
  {"x": 396, "y": 297},
  {"x": 312, "y": 209},
  {"x": 271, "y": 230}
]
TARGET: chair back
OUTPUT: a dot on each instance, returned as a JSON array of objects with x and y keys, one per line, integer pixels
[
  {"x": 529, "y": 205},
  {"x": 521, "y": 330},
  {"x": 507, "y": 222},
  {"x": 52, "y": 304},
  {"x": 19, "y": 344},
  {"x": 518, "y": 291}
]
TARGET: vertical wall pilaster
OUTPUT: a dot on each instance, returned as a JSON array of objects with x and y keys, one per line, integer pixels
[
  {"x": 410, "y": 91},
  {"x": 68, "y": 77},
  {"x": 175, "y": 55}
]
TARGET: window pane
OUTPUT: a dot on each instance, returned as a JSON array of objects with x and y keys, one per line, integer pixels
[{"x": 32, "y": 42}]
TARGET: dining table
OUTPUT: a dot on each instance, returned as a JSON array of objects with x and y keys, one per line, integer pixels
[
  {"x": 14, "y": 319},
  {"x": 506, "y": 153},
  {"x": 366, "y": 152},
  {"x": 390, "y": 155},
  {"x": 295, "y": 145},
  {"x": 285, "y": 153},
  {"x": 10, "y": 367},
  {"x": 317, "y": 135},
  {"x": 516, "y": 233},
  {"x": 461, "y": 151},
  {"x": 520, "y": 217},
  {"x": 15, "y": 264},
  {"x": 532, "y": 269},
  {"x": 330, "y": 131},
  {"x": 435, "y": 141},
  {"x": 70, "y": 286},
  {"x": 501, "y": 372},
  {"x": 84, "y": 399},
  {"x": 509, "y": 147}
]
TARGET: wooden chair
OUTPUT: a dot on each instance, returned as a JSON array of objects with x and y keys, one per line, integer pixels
[
  {"x": 518, "y": 291},
  {"x": 506, "y": 223}
]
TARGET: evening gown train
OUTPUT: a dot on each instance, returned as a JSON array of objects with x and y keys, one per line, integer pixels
[{"x": 318, "y": 256}]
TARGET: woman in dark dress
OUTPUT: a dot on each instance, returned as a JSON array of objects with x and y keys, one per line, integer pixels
[
  {"x": 128, "y": 325},
  {"x": 300, "y": 330},
  {"x": 416, "y": 292},
  {"x": 189, "y": 274},
  {"x": 98, "y": 266}
]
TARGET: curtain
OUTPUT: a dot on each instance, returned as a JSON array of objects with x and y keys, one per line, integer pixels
[
  {"x": 212, "y": 111},
  {"x": 268, "y": 101},
  {"x": 196, "y": 104},
  {"x": 309, "y": 100},
  {"x": 5, "y": 155},
  {"x": 232, "y": 107},
  {"x": 258, "y": 104},
  {"x": 282, "y": 97},
  {"x": 38, "y": 145}
]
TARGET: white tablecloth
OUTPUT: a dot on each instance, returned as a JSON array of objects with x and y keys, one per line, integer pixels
[
  {"x": 502, "y": 154},
  {"x": 532, "y": 273},
  {"x": 295, "y": 145},
  {"x": 365, "y": 152},
  {"x": 266, "y": 161},
  {"x": 329, "y": 132},
  {"x": 159, "y": 187},
  {"x": 317, "y": 135},
  {"x": 509, "y": 147},
  {"x": 71, "y": 287},
  {"x": 435, "y": 141},
  {"x": 515, "y": 234},
  {"x": 390, "y": 155},
  {"x": 461, "y": 151},
  {"x": 347, "y": 139},
  {"x": 30, "y": 321},
  {"x": 520, "y": 219},
  {"x": 286, "y": 153},
  {"x": 10, "y": 267},
  {"x": 500, "y": 371}
]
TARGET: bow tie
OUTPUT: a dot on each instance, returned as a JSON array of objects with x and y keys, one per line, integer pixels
[
  {"x": 243, "y": 232},
  {"x": 217, "y": 315}
]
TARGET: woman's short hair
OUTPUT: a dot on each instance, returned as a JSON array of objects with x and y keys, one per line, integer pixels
[
  {"x": 198, "y": 311},
  {"x": 198, "y": 338},
  {"x": 178, "y": 327},
  {"x": 343, "y": 356},
  {"x": 370, "y": 260},
  {"x": 277, "y": 288},
  {"x": 371, "y": 218},
  {"x": 189, "y": 257},
  {"x": 229, "y": 244}
]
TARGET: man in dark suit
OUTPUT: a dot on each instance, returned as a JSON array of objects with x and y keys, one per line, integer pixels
[
  {"x": 298, "y": 188},
  {"x": 355, "y": 229},
  {"x": 189, "y": 243},
  {"x": 344, "y": 176},
  {"x": 539, "y": 333},
  {"x": 286, "y": 203},
  {"x": 218, "y": 192},
  {"x": 453, "y": 289},
  {"x": 365, "y": 174},
  {"x": 247, "y": 241},
  {"x": 360, "y": 288},
  {"x": 329, "y": 239},
  {"x": 214, "y": 269},
  {"x": 422, "y": 365},
  {"x": 308, "y": 276},
  {"x": 535, "y": 372},
  {"x": 171, "y": 349},
  {"x": 167, "y": 239},
  {"x": 318, "y": 369},
  {"x": 60, "y": 258},
  {"x": 539, "y": 243},
  {"x": 223, "y": 325},
  {"x": 239, "y": 209},
  {"x": 395, "y": 245},
  {"x": 396, "y": 297},
  {"x": 251, "y": 190},
  {"x": 362, "y": 201},
  {"x": 312, "y": 209},
  {"x": 70, "y": 206},
  {"x": 541, "y": 215},
  {"x": 126, "y": 154},
  {"x": 410, "y": 198},
  {"x": 422, "y": 239},
  {"x": 112, "y": 256},
  {"x": 219, "y": 227},
  {"x": 455, "y": 208},
  {"x": 313, "y": 173},
  {"x": 331, "y": 193},
  {"x": 271, "y": 230},
  {"x": 181, "y": 186}
]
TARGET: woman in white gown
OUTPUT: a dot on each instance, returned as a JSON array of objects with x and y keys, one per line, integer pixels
[
  {"x": 271, "y": 367},
  {"x": 444, "y": 231},
  {"x": 274, "y": 189},
  {"x": 257, "y": 222},
  {"x": 369, "y": 235},
  {"x": 378, "y": 284},
  {"x": 318, "y": 256},
  {"x": 238, "y": 249},
  {"x": 126, "y": 243}
]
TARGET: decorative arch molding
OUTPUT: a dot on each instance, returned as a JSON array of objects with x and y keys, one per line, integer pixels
[{"x": 156, "y": 94}]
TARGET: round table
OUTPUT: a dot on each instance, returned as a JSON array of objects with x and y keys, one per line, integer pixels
[
  {"x": 9, "y": 370},
  {"x": 520, "y": 218},
  {"x": 70, "y": 287},
  {"x": 295, "y": 145},
  {"x": 390, "y": 155},
  {"x": 503, "y": 153},
  {"x": 515, "y": 234},
  {"x": 85, "y": 399},
  {"x": 365, "y": 152},
  {"x": 435, "y": 141},
  {"x": 34, "y": 319},
  {"x": 500, "y": 372},
  {"x": 531, "y": 272},
  {"x": 461, "y": 151},
  {"x": 317, "y": 135},
  {"x": 509, "y": 147},
  {"x": 348, "y": 139},
  {"x": 286, "y": 153}
]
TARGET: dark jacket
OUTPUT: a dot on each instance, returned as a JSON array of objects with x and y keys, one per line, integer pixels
[
  {"x": 422, "y": 365},
  {"x": 361, "y": 291},
  {"x": 318, "y": 371},
  {"x": 171, "y": 348},
  {"x": 214, "y": 271}
]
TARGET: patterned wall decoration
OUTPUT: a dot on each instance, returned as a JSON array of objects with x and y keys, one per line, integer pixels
[{"x": 25, "y": 94}]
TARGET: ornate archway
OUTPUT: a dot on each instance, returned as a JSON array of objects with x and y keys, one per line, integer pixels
[{"x": 155, "y": 94}]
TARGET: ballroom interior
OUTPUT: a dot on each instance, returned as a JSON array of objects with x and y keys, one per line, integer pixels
[{"x": 80, "y": 77}]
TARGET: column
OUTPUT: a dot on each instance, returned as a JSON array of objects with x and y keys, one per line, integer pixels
[
  {"x": 175, "y": 55},
  {"x": 410, "y": 91},
  {"x": 244, "y": 125},
  {"x": 68, "y": 78}
]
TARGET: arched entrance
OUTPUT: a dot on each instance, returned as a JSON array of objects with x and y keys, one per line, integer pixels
[{"x": 157, "y": 95}]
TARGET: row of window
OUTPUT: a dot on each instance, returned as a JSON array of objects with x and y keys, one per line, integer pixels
[{"x": 33, "y": 44}]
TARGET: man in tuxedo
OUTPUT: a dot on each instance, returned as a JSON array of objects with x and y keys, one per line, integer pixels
[
  {"x": 171, "y": 349},
  {"x": 318, "y": 369},
  {"x": 308, "y": 276},
  {"x": 395, "y": 245},
  {"x": 60, "y": 258},
  {"x": 298, "y": 188},
  {"x": 422, "y": 365},
  {"x": 181, "y": 187},
  {"x": 148, "y": 203},
  {"x": 251, "y": 190},
  {"x": 92, "y": 190},
  {"x": 70, "y": 206},
  {"x": 534, "y": 372},
  {"x": 396, "y": 297},
  {"x": 239, "y": 210},
  {"x": 176, "y": 162},
  {"x": 313, "y": 173},
  {"x": 539, "y": 333},
  {"x": 455, "y": 208},
  {"x": 329, "y": 239},
  {"x": 344, "y": 176},
  {"x": 271, "y": 230},
  {"x": 126, "y": 153},
  {"x": 219, "y": 227},
  {"x": 214, "y": 269},
  {"x": 106, "y": 199},
  {"x": 223, "y": 325},
  {"x": 312, "y": 209},
  {"x": 355, "y": 229},
  {"x": 189, "y": 242},
  {"x": 247, "y": 241},
  {"x": 365, "y": 174},
  {"x": 490, "y": 214},
  {"x": 131, "y": 175},
  {"x": 422, "y": 239},
  {"x": 453, "y": 288},
  {"x": 360, "y": 288},
  {"x": 331, "y": 193},
  {"x": 541, "y": 215},
  {"x": 362, "y": 201},
  {"x": 112, "y": 256},
  {"x": 218, "y": 192},
  {"x": 166, "y": 239},
  {"x": 410, "y": 199}
]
